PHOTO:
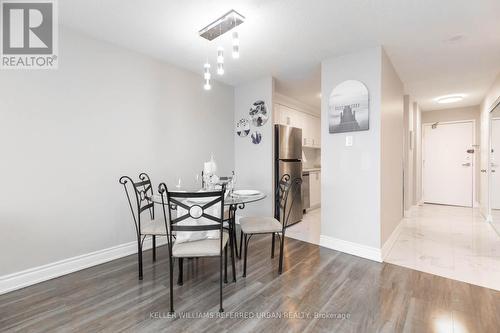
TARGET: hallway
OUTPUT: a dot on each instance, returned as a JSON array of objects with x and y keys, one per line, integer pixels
[{"x": 452, "y": 242}]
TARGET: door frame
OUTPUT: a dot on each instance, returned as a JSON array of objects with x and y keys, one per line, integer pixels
[
  {"x": 474, "y": 160},
  {"x": 490, "y": 120},
  {"x": 496, "y": 103}
]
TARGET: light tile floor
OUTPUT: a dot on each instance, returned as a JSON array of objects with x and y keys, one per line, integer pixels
[
  {"x": 452, "y": 242},
  {"x": 309, "y": 229},
  {"x": 495, "y": 215}
]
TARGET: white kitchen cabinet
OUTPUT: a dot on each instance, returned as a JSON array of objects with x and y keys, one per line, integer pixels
[
  {"x": 317, "y": 131},
  {"x": 310, "y": 125},
  {"x": 297, "y": 119},
  {"x": 285, "y": 116},
  {"x": 315, "y": 189},
  {"x": 281, "y": 115},
  {"x": 307, "y": 130}
]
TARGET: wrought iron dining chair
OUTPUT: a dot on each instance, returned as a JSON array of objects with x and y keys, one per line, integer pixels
[
  {"x": 272, "y": 225},
  {"x": 143, "y": 213},
  {"x": 230, "y": 218},
  {"x": 186, "y": 209}
]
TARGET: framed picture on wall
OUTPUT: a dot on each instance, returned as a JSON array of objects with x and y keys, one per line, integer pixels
[{"x": 348, "y": 107}]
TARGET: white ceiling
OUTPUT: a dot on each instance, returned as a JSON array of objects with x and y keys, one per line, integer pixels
[{"x": 289, "y": 38}]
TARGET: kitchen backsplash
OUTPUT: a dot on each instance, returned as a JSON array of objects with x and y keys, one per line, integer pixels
[{"x": 311, "y": 158}]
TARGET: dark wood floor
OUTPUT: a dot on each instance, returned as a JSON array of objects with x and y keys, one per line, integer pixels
[{"x": 375, "y": 297}]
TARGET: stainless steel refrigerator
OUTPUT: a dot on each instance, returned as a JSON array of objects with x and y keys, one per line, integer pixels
[{"x": 288, "y": 160}]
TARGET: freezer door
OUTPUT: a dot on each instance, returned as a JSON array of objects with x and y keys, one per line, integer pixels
[
  {"x": 289, "y": 142},
  {"x": 294, "y": 169}
]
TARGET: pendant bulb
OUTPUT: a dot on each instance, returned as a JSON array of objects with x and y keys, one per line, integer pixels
[
  {"x": 220, "y": 61},
  {"x": 236, "y": 45},
  {"x": 207, "y": 76}
]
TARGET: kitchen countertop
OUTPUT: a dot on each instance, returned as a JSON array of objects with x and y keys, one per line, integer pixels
[{"x": 311, "y": 170}]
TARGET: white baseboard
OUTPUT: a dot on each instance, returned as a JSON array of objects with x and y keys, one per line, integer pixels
[
  {"x": 53, "y": 270},
  {"x": 409, "y": 211},
  {"x": 316, "y": 206},
  {"x": 389, "y": 243},
  {"x": 356, "y": 249}
]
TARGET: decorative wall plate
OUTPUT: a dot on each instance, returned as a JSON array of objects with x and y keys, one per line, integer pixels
[
  {"x": 246, "y": 192},
  {"x": 258, "y": 113},
  {"x": 256, "y": 137},
  {"x": 243, "y": 127}
]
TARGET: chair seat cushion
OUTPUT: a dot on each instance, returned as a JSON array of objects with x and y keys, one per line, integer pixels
[
  {"x": 226, "y": 214},
  {"x": 199, "y": 248},
  {"x": 260, "y": 225},
  {"x": 155, "y": 227}
]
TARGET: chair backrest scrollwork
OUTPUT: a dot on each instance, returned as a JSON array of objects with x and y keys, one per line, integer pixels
[
  {"x": 287, "y": 191},
  {"x": 142, "y": 190},
  {"x": 195, "y": 209}
]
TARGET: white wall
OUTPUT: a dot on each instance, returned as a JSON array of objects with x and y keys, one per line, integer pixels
[
  {"x": 417, "y": 155},
  {"x": 412, "y": 152},
  {"x": 409, "y": 148},
  {"x": 254, "y": 163},
  {"x": 362, "y": 184},
  {"x": 67, "y": 135},
  {"x": 491, "y": 96},
  {"x": 350, "y": 186},
  {"x": 391, "y": 143}
]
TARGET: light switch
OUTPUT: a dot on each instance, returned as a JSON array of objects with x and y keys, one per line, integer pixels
[{"x": 348, "y": 141}]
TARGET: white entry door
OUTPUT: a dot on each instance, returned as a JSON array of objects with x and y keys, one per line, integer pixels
[
  {"x": 447, "y": 166},
  {"x": 495, "y": 163}
]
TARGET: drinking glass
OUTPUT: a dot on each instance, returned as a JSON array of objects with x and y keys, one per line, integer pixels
[
  {"x": 197, "y": 180},
  {"x": 233, "y": 182}
]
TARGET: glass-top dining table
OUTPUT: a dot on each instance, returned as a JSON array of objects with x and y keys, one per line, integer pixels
[{"x": 235, "y": 200}]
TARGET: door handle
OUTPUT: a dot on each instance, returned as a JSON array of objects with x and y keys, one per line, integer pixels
[
  {"x": 466, "y": 164},
  {"x": 483, "y": 170}
]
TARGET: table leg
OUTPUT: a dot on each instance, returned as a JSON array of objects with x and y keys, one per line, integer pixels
[
  {"x": 225, "y": 258},
  {"x": 232, "y": 246},
  {"x": 232, "y": 220},
  {"x": 241, "y": 243},
  {"x": 234, "y": 235}
]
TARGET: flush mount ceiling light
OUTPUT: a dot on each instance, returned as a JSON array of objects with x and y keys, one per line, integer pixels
[
  {"x": 450, "y": 98},
  {"x": 223, "y": 24},
  {"x": 217, "y": 28}
]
